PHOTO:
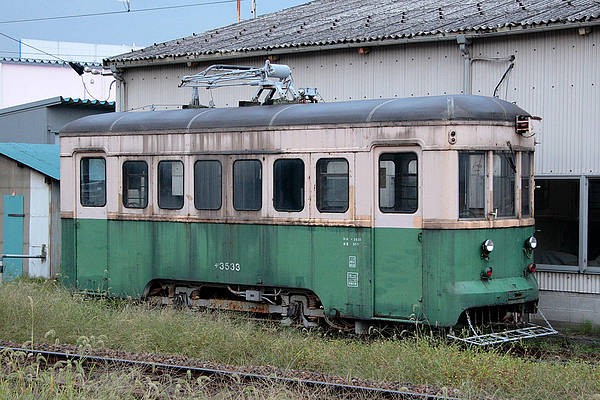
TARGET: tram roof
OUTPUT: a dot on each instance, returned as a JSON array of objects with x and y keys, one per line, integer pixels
[{"x": 412, "y": 109}]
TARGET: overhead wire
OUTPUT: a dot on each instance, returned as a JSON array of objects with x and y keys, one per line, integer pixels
[
  {"x": 63, "y": 60},
  {"x": 35, "y": 48},
  {"x": 207, "y": 3},
  {"x": 128, "y": 10}
]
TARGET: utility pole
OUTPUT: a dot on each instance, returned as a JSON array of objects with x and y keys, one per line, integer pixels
[
  {"x": 253, "y": 11},
  {"x": 239, "y": 15}
]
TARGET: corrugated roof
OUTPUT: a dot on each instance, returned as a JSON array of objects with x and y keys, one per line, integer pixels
[
  {"x": 43, "y": 158},
  {"x": 431, "y": 108},
  {"x": 16, "y": 60},
  {"x": 331, "y": 22},
  {"x": 58, "y": 101}
]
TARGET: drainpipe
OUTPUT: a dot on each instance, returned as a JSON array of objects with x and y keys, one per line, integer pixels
[
  {"x": 463, "y": 45},
  {"x": 121, "y": 100}
]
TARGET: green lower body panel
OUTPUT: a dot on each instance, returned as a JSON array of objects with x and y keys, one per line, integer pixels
[
  {"x": 122, "y": 257},
  {"x": 453, "y": 267},
  {"x": 362, "y": 273}
]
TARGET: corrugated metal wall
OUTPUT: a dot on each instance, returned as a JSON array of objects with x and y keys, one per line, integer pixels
[
  {"x": 568, "y": 282},
  {"x": 555, "y": 76}
]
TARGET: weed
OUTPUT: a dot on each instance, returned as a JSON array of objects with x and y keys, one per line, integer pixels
[{"x": 419, "y": 358}]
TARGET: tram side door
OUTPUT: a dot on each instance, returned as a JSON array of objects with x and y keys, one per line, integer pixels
[
  {"x": 397, "y": 209},
  {"x": 91, "y": 229}
]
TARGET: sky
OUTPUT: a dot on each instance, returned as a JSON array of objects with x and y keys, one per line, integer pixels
[{"x": 139, "y": 28}]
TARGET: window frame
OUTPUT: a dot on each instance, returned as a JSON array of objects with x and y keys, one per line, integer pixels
[
  {"x": 233, "y": 181},
  {"x": 516, "y": 209},
  {"x": 486, "y": 183},
  {"x": 416, "y": 159},
  {"x": 158, "y": 186},
  {"x": 220, "y": 184},
  {"x": 304, "y": 180},
  {"x": 318, "y": 185},
  {"x": 81, "y": 181},
  {"x": 147, "y": 183}
]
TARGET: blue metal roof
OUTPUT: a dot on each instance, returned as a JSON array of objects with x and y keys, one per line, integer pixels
[
  {"x": 16, "y": 60},
  {"x": 43, "y": 158},
  {"x": 76, "y": 100},
  {"x": 61, "y": 101}
]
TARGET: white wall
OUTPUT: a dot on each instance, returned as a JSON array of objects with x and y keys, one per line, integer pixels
[
  {"x": 39, "y": 224},
  {"x": 22, "y": 83},
  {"x": 72, "y": 51}
]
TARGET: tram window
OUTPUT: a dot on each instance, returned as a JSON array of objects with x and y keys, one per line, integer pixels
[
  {"x": 332, "y": 185},
  {"x": 93, "y": 182},
  {"x": 288, "y": 185},
  {"x": 247, "y": 185},
  {"x": 398, "y": 183},
  {"x": 471, "y": 184},
  {"x": 207, "y": 185},
  {"x": 135, "y": 184},
  {"x": 170, "y": 185},
  {"x": 504, "y": 183},
  {"x": 525, "y": 184}
]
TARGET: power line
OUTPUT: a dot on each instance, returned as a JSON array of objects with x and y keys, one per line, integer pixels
[
  {"x": 35, "y": 48},
  {"x": 14, "y": 21}
]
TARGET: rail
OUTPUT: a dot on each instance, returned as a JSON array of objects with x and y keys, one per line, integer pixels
[{"x": 230, "y": 373}]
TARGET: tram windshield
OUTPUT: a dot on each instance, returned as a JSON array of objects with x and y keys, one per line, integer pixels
[{"x": 473, "y": 184}]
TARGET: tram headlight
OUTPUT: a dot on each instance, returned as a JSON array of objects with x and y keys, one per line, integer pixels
[
  {"x": 531, "y": 243},
  {"x": 487, "y": 247}
]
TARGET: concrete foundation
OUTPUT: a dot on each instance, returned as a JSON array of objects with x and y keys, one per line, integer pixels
[{"x": 570, "y": 307}]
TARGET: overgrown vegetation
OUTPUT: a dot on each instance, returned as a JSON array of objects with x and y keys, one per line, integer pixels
[
  {"x": 23, "y": 377},
  {"x": 53, "y": 314}
]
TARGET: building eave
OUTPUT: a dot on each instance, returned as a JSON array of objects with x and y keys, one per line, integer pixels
[{"x": 439, "y": 37}]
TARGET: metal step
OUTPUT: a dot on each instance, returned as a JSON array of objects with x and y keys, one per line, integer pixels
[{"x": 527, "y": 332}]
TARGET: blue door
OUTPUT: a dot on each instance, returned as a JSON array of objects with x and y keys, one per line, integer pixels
[{"x": 13, "y": 235}]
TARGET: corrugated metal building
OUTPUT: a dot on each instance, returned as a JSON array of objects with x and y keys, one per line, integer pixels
[
  {"x": 543, "y": 55},
  {"x": 40, "y": 121},
  {"x": 29, "y": 180},
  {"x": 30, "y": 208}
]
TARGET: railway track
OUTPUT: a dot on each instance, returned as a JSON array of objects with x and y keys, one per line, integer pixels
[{"x": 355, "y": 386}]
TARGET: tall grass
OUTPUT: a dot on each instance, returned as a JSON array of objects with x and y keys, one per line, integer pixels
[
  {"x": 24, "y": 378},
  {"x": 56, "y": 314}
]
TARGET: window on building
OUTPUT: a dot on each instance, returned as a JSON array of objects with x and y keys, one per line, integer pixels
[
  {"x": 247, "y": 185},
  {"x": 504, "y": 183},
  {"x": 288, "y": 185},
  {"x": 526, "y": 184},
  {"x": 557, "y": 221},
  {"x": 170, "y": 185},
  {"x": 332, "y": 185},
  {"x": 398, "y": 183},
  {"x": 135, "y": 184},
  {"x": 93, "y": 182},
  {"x": 207, "y": 184},
  {"x": 593, "y": 240},
  {"x": 471, "y": 184}
]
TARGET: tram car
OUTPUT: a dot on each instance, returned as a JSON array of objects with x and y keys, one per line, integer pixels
[{"x": 414, "y": 210}]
